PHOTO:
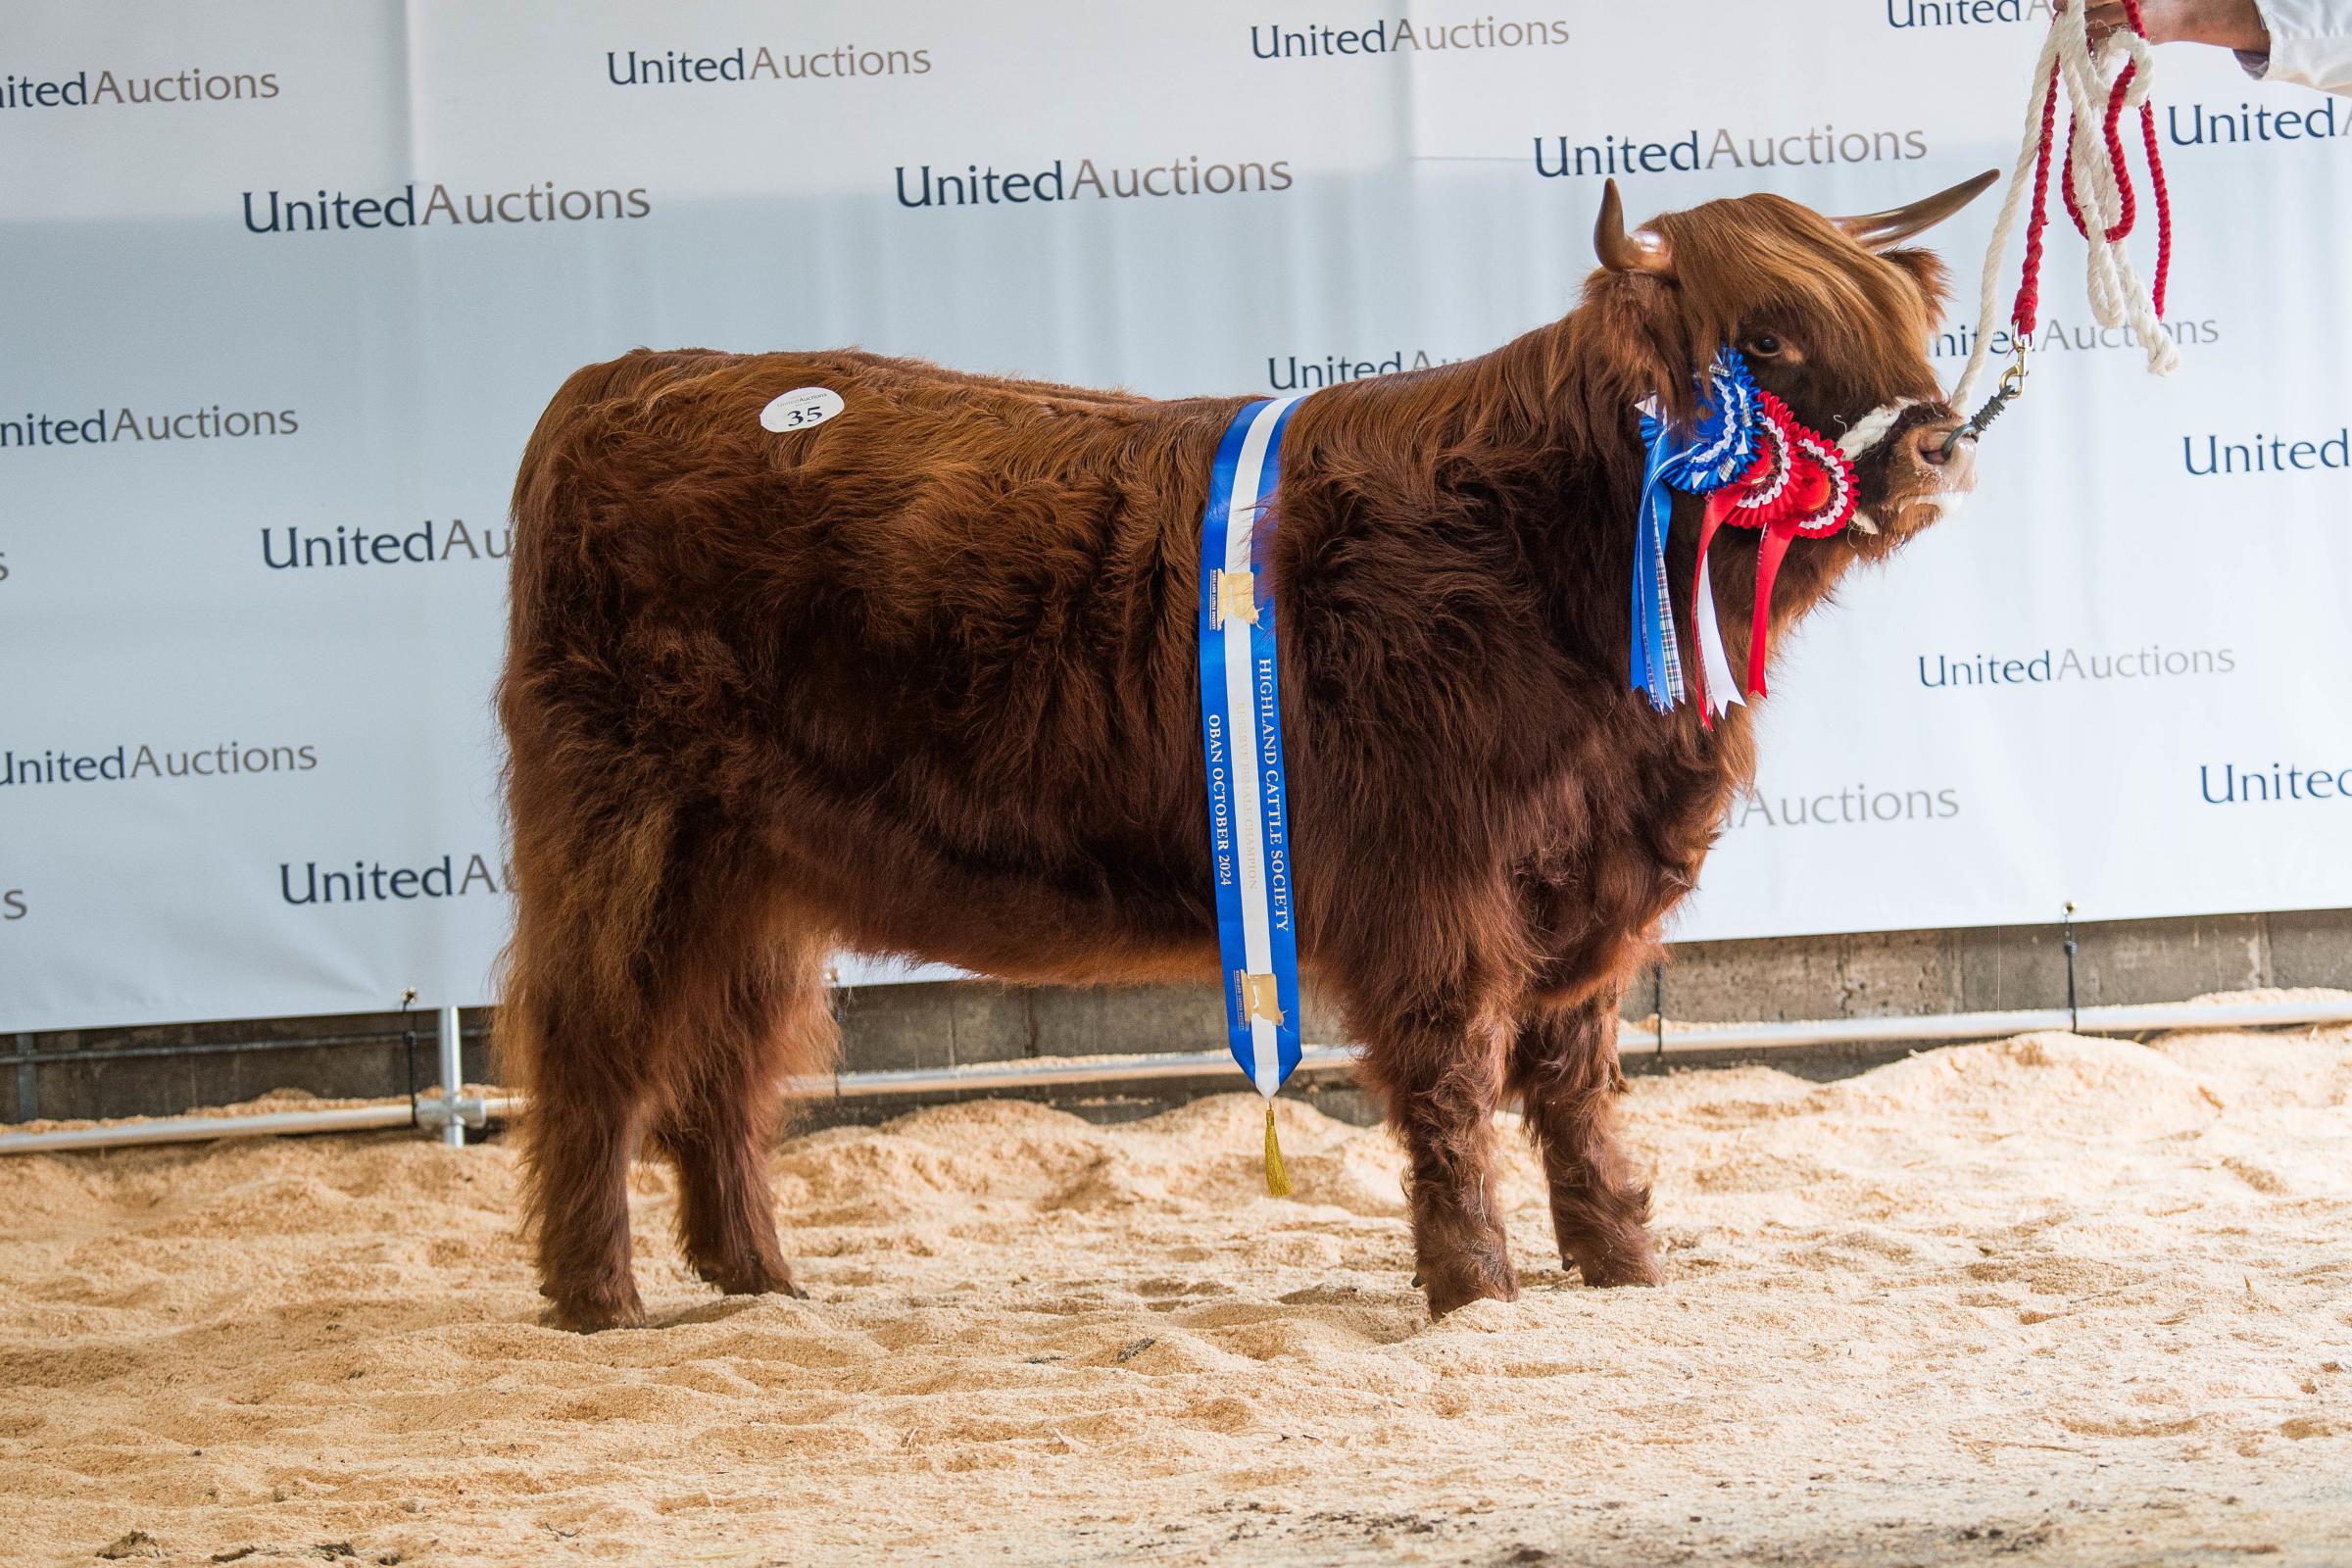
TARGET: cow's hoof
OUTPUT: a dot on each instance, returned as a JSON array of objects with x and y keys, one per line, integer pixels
[
  {"x": 1605, "y": 1271},
  {"x": 1451, "y": 1288},
  {"x": 763, "y": 1285},
  {"x": 596, "y": 1312},
  {"x": 749, "y": 1277}
]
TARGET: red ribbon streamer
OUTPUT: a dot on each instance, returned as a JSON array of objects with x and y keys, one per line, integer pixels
[
  {"x": 1800, "y": 486},
  {"x": 1771, "y": 551}
]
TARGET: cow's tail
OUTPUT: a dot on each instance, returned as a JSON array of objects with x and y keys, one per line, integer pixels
[{"x": 592, "y": 828}]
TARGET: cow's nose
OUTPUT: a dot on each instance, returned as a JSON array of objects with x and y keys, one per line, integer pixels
[{"x": 1934, "y": 443}]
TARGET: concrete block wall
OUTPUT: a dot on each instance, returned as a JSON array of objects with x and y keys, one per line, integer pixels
[
  {"x": 165, "y": 1069},
  {"x": 1888, "y": 974},
  {"x": 126, "y": 1072}
]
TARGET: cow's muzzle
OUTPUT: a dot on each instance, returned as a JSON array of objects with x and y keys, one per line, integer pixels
[{"x": 1912, "y": 473}]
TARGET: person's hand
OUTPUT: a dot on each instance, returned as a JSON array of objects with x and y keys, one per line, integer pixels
[{"x": 2230, "y": 24}]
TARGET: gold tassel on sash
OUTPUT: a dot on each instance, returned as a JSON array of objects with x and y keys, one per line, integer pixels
[{"x": 1278, "y": 1178}]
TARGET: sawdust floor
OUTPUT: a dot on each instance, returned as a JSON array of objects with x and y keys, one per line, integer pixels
[{"x": 2045, "y": 1301}]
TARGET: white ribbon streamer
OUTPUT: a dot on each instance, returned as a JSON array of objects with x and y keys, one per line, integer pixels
[{"x": 1723, "y": 687}]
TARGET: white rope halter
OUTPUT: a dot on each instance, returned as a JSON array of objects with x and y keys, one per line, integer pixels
[{"x": 2117, "y": 294}]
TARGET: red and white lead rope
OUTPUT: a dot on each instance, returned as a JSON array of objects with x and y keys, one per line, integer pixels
[{"x": 2100, "y": 84}]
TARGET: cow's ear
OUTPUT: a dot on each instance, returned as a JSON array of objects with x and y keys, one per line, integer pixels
[{"x": 1927, "y": 269}]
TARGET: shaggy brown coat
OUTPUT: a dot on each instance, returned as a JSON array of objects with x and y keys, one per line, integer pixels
[{"x": 923, "y": 680}]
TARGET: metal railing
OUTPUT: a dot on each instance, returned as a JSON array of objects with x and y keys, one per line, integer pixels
[{"x": 449, "y": 1114}]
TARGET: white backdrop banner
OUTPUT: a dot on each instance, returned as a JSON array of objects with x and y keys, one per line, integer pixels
[{"x": 288, "y": 281}]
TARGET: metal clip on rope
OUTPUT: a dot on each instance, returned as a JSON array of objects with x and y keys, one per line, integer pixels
[{"x": 2013, "y": 385}]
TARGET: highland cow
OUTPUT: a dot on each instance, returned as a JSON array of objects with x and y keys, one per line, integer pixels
[{"x": 922, "y": 680}]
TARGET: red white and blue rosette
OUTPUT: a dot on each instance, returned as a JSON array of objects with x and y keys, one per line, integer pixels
[{"x": 1758, "y": 467}]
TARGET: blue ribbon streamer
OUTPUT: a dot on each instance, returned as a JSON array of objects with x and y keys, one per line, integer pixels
[
  {"x": 1713, "y": 455},
  {"x": 1242, "y": 743},
  {"x": 1656, "y": 659}
]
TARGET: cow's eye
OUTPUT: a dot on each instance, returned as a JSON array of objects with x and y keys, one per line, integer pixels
[{"x": 1764, "y": 346}]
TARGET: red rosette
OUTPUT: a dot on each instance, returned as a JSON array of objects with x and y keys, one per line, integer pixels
[
  {"x": 1801, "y": 483},
  {"x": 1800, "y": 486},
  {"x": 1830, "y": 486},
  {"x": 1760, "y": 494}
]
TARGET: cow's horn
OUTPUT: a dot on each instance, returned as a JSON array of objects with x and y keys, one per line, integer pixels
[
  {"x": 1878, "y": 231},
  {"x": 1621, "y": 252}
]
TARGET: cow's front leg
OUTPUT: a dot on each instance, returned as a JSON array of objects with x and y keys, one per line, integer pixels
[
  {"x": 1564, "y": 1068},
  {"x": 1440, "y": 1072}
]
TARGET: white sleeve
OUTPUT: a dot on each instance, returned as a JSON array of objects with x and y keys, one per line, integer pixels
[{"x": 2311, "y": 44}]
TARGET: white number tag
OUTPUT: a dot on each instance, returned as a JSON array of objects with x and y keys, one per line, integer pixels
[{"x": 800, "y": 409}]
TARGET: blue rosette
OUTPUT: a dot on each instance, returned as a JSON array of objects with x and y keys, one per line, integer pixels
[{"x": 1716, "y": 453}]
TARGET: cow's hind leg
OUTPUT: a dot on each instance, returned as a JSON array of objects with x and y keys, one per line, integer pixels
[
  {"x": 748, "y": 1034},
  {"x": 1440, "y": 1073},
  {"x": 639, "y": 999},
  {"x": 1564, "y": 1068},
  {"x": 577, "y": 1049}
]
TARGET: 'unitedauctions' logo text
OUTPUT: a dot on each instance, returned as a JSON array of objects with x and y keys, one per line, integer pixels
[
  {"x": 1383, "y": 37},
  {"x": 1964, "y": 13},
  {"x": 2195, "y": 125},
  {"x": 124, "y": 425},
  {"x": 377, "y": 883},
  {"x": 2269, "y": 454},
  {"x": 2058, "y": 336},
  {"x": 531, "y": 204},
  {"x": 1697, "y": 152},
  {"x": 80, "y": 91},
  {"x": 285, "y": 549},
  {"x": 1184, "y": 177},
  {"x": 1852, "y": 806},
  {"x": 2239, "y": 787},
  {"x": 675, "y": 68},
  {"x": 228, "y": 759},
  {"x": 1292, "y": 374},
  {"x": 2055, "y": 666}
]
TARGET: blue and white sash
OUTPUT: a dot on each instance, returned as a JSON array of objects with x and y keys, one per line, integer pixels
[{"x": 1241, "y": 731}]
